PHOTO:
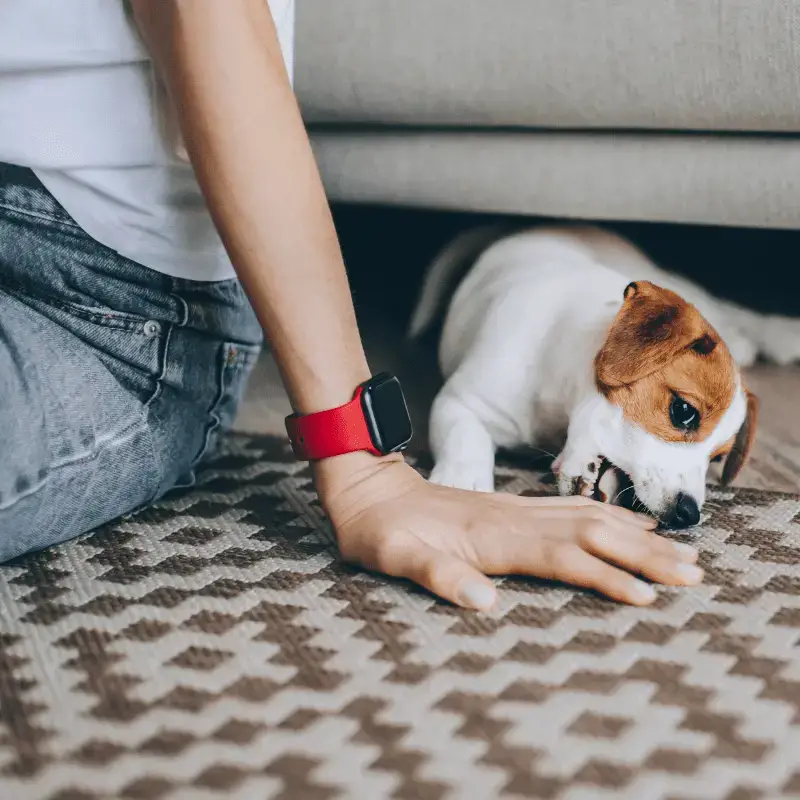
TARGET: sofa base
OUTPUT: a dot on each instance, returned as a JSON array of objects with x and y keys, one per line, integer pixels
[{"x": 750, "y": 181}]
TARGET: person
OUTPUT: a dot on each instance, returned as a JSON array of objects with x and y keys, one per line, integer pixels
[{"x": 127, "y": 330}]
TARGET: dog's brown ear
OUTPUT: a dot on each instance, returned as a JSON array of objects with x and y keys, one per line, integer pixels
[
  {"x": 650, "y": 329},
  {"x": 743, "y": 443}
]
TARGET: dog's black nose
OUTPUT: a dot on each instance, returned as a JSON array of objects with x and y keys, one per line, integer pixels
[{"x": 685, "y": 513}]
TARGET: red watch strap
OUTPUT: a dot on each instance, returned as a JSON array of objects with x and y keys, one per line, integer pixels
[{"x": 330, "y": 433}]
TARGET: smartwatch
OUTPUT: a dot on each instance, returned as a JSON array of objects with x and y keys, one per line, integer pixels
[{"x": 375, "y": 420}]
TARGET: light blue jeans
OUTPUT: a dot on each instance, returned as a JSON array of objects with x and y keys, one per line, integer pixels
[{"x": 115, "y": 380}]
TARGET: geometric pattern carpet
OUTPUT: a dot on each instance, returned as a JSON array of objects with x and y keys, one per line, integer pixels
[{"x": 214, "y": 647}]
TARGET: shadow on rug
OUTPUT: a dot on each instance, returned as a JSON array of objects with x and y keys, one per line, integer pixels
[{"x": 214, "y": 647}]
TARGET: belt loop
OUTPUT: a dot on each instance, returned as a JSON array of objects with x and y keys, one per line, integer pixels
[{"x": 183, "y": 305}]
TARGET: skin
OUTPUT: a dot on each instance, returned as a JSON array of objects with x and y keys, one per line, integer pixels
[{"x": 245, "y": 137}]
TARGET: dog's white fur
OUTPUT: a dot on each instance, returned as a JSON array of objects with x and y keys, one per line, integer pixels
[{"x": 518, "y": 347}]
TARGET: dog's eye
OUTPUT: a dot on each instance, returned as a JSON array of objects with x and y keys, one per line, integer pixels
[{"x": 684, "y": 417}]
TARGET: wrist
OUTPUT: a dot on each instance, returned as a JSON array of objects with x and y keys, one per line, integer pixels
[
  {"x": 333, "y": 477},
  {"x": 349, "y": 468},
  {"x": 374, "y": 421},
  {"x": 320, "y": 393}
]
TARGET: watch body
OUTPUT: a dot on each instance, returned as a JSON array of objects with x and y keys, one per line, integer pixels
[{"x": 375, "y": 420}]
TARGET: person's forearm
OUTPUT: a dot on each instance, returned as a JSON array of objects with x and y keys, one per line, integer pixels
[{"x": 223, "y": 67}]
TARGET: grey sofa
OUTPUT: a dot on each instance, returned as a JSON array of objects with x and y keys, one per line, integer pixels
[{"x": 657, "y": 110}]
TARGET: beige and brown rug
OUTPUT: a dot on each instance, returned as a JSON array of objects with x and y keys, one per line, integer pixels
[{"x": 215, "y": 648}]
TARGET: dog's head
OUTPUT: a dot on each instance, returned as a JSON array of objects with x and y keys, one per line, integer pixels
[{"x": 670, "y": 401}]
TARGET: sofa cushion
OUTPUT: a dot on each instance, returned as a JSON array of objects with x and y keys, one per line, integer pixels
[
  {"x": 720, "y": 180},
  {"x": 654, "y": 64}
]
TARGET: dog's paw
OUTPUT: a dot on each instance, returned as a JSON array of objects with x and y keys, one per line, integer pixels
[
  {"x": 463, "y": 476},
  {"x": 743, "y": 350},
  {"x": 578, "y": 477},
  {"x": 780, "y": 340},
  {"x": 611, "y": 485}
]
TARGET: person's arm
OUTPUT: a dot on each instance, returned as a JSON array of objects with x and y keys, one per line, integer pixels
[
  {"x": 221, "y": 62},
  {"x": 224, "y": 70}
]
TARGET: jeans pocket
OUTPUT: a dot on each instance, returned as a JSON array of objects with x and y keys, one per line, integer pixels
[
  {"x": 235, "y": 365},
  {"x": 104, "y": 317},
  {"x": 133, "y": 353}
]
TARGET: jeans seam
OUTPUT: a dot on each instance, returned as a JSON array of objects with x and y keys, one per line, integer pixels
[
  {"x": 173, "y": 291},
  {"x": 89, "y": 455},
  {"x": 157, "y": 452},
  {"x": 29, "y": 492},
  {"x": 162, "y": 373},
  {"x": 214, "y": 419},
  {"x": 76, "y": 460},
  {"x": 112, "y": 320},
  {"x": 40, "y": 215}
]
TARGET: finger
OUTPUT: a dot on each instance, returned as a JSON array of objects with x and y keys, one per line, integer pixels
[
  {"x": 507, "y": 553},
  {"x": 570, "y": 564},
  {"x": 673, "y": 549},
  {"x": 575, "y": 518},
  {"x": 440, "y": 573},
  {"x": 576, "y": 501},
  {"x": 579, "y": 568},
  {"x": 644, "y": 556},
  {"x": 658, "y": 544}
]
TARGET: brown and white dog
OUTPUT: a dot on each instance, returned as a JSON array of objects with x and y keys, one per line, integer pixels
[{"x": 574, "y": 331}]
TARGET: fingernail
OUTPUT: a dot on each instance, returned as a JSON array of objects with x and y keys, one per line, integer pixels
[
  {"x": 474, "y": 594},
  {"x": 689, "y": 573},
  {"x": 644, "y": 592},
  {"x": 685, "y": 550}
]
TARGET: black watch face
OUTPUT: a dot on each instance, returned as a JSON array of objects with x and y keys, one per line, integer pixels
[{"x": 387, "y": 414}]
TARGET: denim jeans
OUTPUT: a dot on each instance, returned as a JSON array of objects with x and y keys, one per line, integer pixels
[{"x": 115, "y": 380}]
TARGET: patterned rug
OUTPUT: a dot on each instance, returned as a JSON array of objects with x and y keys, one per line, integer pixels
[{"x": 214, "y": 647}]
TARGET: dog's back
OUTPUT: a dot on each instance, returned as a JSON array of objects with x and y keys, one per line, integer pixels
[
  {"x": 446, "y": 272},
  {"x": 487, "y": 246},
  {"x": 534, "y": 289}
]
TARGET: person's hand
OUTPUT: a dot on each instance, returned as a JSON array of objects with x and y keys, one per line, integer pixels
[{"x": 389, "y": 519}]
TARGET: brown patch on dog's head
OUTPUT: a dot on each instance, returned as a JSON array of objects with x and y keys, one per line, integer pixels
[
  {"x": 736, "y": 450},
  {"x": 661, "y": 351}
]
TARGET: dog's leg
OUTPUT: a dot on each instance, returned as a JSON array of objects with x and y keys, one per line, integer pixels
[
  {"x": 775, "y": 337},
  {"x": 463, "y": 449},
  {"x": 577, "y": 467},
  {"x": 577, "y": 471}
]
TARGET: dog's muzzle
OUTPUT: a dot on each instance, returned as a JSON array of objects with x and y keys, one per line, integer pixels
[{"x": 684, "y": 513}]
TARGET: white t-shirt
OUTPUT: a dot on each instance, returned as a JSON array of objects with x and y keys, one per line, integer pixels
[{"x": 81, "y": 105}]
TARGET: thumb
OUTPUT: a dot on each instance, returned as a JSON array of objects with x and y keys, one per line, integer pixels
[{"x": 441, "y": 573}]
